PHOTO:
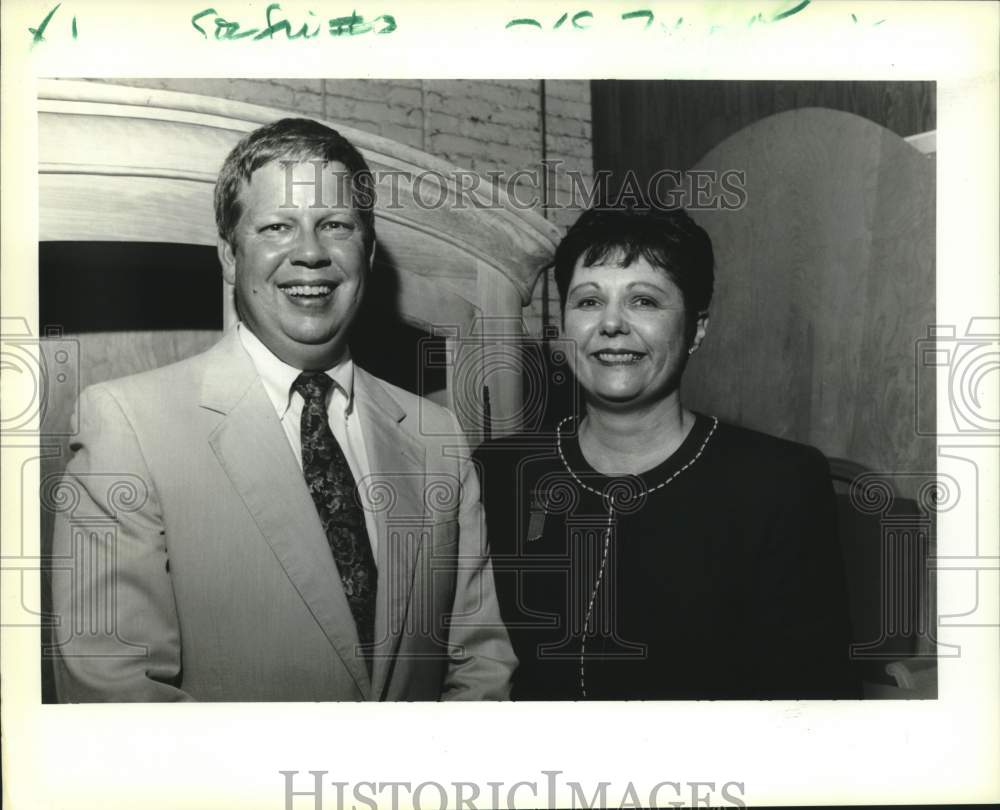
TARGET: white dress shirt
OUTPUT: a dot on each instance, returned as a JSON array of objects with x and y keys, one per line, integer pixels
[{"x": 341, "y": 411}]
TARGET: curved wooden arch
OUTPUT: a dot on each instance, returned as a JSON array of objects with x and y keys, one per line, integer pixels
[{"x": 825, "y": 286}]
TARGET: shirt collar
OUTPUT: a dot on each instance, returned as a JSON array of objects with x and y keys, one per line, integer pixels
[{"x": 277, "y": 376}]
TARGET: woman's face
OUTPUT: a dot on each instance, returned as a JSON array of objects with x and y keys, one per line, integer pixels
[{"x": 628, "y": 328}]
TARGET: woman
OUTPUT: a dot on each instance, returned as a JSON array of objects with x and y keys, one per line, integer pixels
[{"x": 646, "y": 551}]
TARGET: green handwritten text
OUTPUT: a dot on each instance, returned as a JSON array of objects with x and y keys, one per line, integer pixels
[
  {"x": 277, "y": 25},
  {"x": 38, "y": 34},
  {"x": 642, "y": 19}
]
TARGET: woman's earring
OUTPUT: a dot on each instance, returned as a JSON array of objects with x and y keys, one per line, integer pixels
[{"x": 691, "y": 350}]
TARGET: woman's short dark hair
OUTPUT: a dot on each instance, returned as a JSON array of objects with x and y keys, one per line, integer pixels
[
  {"x": 668, "y": 239},
  {"x": 292, "y": 139}
]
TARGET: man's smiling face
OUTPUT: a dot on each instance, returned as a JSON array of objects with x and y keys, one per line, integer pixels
[{"x": 299, "y": 270}]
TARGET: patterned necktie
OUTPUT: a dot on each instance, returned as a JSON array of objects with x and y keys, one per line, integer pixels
[{"x": 333, "y": 490}]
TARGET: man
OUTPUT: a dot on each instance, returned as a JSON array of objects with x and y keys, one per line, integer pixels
[{"x": 264, "y": 521}]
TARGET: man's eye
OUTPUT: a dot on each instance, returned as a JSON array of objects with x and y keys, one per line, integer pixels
[
  {"x": 334, "y": 225},
  {"x": 275, "y": 227}
]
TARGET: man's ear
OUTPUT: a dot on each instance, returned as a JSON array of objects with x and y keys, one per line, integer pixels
[{"x": 227, "y": 258}]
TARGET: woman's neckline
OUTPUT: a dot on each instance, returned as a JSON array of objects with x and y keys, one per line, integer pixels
[{"x": 686, "y": 452}]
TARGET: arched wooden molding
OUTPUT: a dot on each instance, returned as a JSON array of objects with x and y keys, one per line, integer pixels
[
  {"x": 825, "y": 286},
  {"x": 131, "y": 164}
]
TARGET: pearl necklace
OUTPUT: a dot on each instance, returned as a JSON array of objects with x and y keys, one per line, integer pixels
[{"x": 610, "y": 499}]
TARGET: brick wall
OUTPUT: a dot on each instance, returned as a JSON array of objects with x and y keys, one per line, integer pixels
[{"x": 488, "y": 125}]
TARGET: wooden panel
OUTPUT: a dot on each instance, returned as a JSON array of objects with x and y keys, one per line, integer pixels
[
  {"x": 86, "y": 136},
  {"x": 824, "y": 285},
  {"x": 425, "y": 302},
  {"x": 88, "y": 207},
  {"x": 650, "y": 125}
]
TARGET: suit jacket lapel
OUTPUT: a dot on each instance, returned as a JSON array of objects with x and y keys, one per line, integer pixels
[
  {"x": 253, "y": 449},
  {"x": 395, "y": 492}
]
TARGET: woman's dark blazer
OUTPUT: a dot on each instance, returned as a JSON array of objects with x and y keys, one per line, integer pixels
[{"x": 725, "y": 582}]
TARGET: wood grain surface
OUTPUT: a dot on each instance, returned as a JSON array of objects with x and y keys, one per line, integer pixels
[
  {"x": 825, "y": 283},
  {"x": 650, "y": 125}
]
